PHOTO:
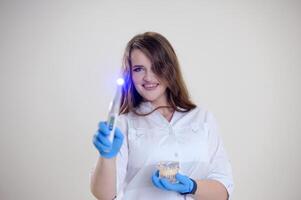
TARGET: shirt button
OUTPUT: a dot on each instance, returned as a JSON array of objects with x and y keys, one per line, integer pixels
[{"x": 176, "y": 154}]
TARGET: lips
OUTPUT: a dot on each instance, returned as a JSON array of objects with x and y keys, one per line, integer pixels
[{"x": 150, "y": 86}]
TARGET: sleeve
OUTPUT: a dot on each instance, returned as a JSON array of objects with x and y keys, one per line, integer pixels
[
  {"x": 219, "y": 164},
  {"x": 122, "y": 156}
]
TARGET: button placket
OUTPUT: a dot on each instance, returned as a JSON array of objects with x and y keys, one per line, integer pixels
[
  {"x": 176, "y": 152},
  {"x": 170, "y": 130}
]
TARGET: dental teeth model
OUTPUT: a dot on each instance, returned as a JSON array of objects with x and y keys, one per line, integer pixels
[{"x": 168, "y": 170}]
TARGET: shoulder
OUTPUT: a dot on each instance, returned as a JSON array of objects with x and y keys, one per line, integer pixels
[
  {"x": 127, "y": 116},
  {"x": 198, "y": 113},
  {"x": 203, "y": 113},
  {"x": 201, "y": 116},
  {"x": 122, "y": 122},
  {"x": 123, "y": 116}
]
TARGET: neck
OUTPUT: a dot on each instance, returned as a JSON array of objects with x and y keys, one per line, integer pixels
[
  {"x": 167, "y": 111},
  {"x": 162, "y": 101}
]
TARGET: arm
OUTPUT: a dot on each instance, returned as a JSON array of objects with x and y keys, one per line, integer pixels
[
  {"x": 103, "y": 179},
  {"x": 206, "y": 189},
  {"x": 219, "y": 182},
  {"x": 210, "y": 190}
]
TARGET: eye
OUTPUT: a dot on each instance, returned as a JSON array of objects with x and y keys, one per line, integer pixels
[{"x": 137, "y": 69}]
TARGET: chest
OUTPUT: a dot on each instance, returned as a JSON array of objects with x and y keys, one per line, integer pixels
[{"x": 149, "y": 145}]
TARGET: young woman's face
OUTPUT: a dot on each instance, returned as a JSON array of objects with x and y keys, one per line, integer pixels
[{"x": 147, "y": 84}]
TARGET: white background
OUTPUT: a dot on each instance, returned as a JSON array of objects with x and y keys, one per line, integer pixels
[{"x": 59, "y": 60}]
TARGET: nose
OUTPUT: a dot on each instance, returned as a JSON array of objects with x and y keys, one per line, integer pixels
[{"x": 148, "y": 76}]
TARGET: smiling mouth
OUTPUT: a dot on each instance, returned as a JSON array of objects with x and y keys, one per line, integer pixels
[{"x": 150, "y": 86}]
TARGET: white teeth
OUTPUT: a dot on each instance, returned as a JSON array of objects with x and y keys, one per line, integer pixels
[{"x": 150, "y": 85}]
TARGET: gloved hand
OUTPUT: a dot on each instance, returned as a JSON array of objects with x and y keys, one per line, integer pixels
[
  {"x": 102, "y": 143},
  {"x": 185, "y": 185}
]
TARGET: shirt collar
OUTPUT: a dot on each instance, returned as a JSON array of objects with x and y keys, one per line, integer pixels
[{"x": 147, "y": 106}]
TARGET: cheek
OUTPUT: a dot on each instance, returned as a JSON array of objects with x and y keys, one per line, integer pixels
[
  {"x": 136, "y": 80},
  {"x": 163, "y": 85},
  {"x": 163, "y": 89}
]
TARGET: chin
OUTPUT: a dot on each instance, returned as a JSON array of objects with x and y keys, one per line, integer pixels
[{"x": 151, "y": 99}]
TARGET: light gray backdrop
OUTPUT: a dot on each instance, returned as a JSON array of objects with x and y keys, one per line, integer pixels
[{"x": 59, "y": 59}]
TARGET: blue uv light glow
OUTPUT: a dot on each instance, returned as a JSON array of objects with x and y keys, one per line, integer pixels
[{"x": 120, "y": 81}]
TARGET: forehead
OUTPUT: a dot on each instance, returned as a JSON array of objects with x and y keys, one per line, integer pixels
[{"x": 139, "y": 58}]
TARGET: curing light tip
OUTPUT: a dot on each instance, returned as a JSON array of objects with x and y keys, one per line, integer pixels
[{"x": 120, "y": 81}]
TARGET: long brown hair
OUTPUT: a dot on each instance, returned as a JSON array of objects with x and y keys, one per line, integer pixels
[{"x": 164, "y": 64}]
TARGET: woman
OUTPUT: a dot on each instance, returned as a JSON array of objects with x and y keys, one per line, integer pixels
[{"x": 159, "y": 122}]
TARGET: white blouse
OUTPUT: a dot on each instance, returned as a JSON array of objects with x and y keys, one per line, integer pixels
[{"x": 192, "y": 138}]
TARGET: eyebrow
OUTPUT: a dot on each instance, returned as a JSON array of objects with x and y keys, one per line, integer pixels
[{"x": 138, "y": 66}]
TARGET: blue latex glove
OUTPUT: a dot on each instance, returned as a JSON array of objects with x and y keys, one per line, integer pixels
[
  {"x": 102, "y": 143},
  {"x": 184, "y": 186}
]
